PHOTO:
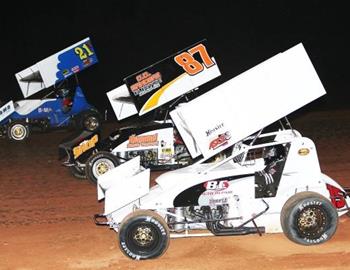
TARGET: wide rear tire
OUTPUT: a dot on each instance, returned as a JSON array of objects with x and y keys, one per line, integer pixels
[{"x": 308, "y": 218}]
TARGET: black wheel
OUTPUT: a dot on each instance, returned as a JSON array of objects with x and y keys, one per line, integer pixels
[
  {"x": 308, "y": 218},
  {"x": 18, "y": 131},
  {"x": 143, "y": 235},
  {"x": 91, "y": 121},
  {"x": 77, "y": 172},
  {"x": 99, "y": 163}
]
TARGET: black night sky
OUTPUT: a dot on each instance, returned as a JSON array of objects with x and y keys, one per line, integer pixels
[{"x": 130, "y": 35}]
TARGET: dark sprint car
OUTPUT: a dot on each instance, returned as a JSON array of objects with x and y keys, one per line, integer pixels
[
  {"x": 64, "y": 106},
  {"x": 157, "y": 143},
  {"x": 157, "y": 88}
]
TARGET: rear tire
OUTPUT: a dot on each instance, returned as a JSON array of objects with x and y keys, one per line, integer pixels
[
  {"x": 100, "y": 163},
  {"x": 18, "y": 131},
  {"x": 308, "y": 218},
  {"x": 143, "y": 235},
  {"x": 90, "y": 121}
]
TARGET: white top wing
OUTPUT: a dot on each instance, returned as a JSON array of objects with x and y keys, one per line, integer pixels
[{"x": 248, "y": 102}]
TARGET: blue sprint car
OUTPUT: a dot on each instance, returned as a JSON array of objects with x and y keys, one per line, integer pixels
[{"x": 66, "y": 108}]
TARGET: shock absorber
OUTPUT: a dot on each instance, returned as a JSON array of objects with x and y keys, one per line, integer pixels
[{"x": 179, "y": 217}]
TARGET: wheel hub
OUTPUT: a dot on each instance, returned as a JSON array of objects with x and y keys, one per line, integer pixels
[
  {"x": 143, "y": 236},
  {"x": 102, "y": 168},
  {"x": 18, "y": 132},
  {"x": 91, "y": 123},
  {"x": 311, "y": 222}
]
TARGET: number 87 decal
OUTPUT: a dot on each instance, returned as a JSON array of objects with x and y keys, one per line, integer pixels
[{"x": 191, "y": 65}]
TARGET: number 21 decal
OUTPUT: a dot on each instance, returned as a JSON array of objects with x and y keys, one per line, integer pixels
[
  {"x": 83, "y": 52},
  {"x": 191, "y": 65}
]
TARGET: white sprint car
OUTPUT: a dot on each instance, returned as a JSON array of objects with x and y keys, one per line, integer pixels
[{"x": 265, "y": 182}]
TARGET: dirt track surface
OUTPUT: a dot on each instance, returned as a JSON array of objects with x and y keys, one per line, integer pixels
[{"x": 46, "y": 215}]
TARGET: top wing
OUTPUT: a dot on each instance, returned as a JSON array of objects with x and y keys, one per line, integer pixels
[
  {"x": 171, "y": 77},
  {"x": 248, "y": 102},
  {"x": 56, "y": 67},
  {"x": 122, "y": 103}
]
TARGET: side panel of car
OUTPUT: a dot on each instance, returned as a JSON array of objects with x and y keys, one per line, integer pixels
[
  {"x": 52, "y": 110},
  {"x": 49, "y": 109},
  {"x": 79, "y": 102},
  {"x": 156, "y": 147}
]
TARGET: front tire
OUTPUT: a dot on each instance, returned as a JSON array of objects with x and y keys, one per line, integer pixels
[
  {"x": 143, "y": 235},
  {"x": 77, "y": 172},
  {"x": 308, "y": 218},
  {"x": 100, "y": 163},
  {"x": 18, "y": 131}
]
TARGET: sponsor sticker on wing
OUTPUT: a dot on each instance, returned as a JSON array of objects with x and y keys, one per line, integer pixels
[
  {"x": 146, "y": 82},
  {"x": 171, "y": 77},
  {"x": 220, "y": 140}
]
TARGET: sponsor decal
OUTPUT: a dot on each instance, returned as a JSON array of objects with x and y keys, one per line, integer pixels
[
  {"x": 5, "y": 109},
  {"x": 44, "y": 110},
  {"x": 221, "y": 140},
  {"x": 146, "y": 82},
  {"x": 87, "y": 62},
  {"x": 166, "y": 153},
  {"x": 217, "y": 185},
  {"x": 143, "y": 140},
  {"x": 75, "y": 69},
  {"x": 84, "y": 146},
  {"x": 322, "y": 238},
  {"x": 309, "y": 204},
  {"x": 212, "y": 130},
  {"x": 218, "y": 201}
]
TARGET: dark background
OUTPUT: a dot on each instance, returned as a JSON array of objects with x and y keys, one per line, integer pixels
[{"x": 130, "y": 35}]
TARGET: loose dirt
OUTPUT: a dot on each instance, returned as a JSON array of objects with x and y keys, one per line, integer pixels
[{"x": 46, "y": 215}]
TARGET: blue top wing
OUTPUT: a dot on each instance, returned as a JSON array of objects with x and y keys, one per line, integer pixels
[
  {"x": 57, "y": 67},
  {"x": 75, "y": 60}
]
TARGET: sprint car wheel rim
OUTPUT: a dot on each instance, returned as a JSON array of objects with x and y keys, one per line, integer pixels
[
  {"x": 312, "y": 222},
  {"x": 18, "y": 132},
  {"x": 143, "y": 236},
  {"x": 102, "y": 166}
]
